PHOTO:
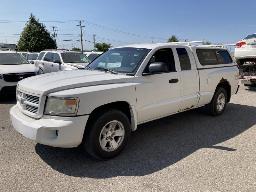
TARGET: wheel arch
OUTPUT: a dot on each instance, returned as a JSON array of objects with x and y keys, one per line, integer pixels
[
  {"x": 122, "y": 106},
  {"x": 224, "y": 83}
]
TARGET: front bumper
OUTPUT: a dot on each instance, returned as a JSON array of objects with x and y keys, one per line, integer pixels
[
  {"x": 4, "y": 84},
  {"x": 65, "y": 132}
]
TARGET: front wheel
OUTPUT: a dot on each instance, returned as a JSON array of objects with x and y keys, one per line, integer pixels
[
  {"x": 40, "y": 71},
  {"x": 218, "y": 103},
  {"x": 107, "y": 135}
]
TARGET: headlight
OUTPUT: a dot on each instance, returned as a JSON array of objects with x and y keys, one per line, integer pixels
[{"x": 61, "y": 106}]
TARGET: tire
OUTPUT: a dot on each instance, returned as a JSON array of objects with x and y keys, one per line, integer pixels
[
  {"x": 102, "y": 143},
  {"x": 218, "y": 103},
  {"x": 40, "y": 71}
]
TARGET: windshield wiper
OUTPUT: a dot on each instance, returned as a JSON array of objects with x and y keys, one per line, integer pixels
[{"x": 106, "y": 70}]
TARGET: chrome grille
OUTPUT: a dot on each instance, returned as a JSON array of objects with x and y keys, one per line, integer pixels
[{"x": 28, "y": 103}]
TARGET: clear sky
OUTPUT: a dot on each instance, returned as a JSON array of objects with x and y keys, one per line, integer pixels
[{"x": 132, "y": 21}]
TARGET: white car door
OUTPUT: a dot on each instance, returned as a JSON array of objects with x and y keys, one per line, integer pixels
[
  {"x": 159, "y": 94},
  {"x": 189, "y": 78}
]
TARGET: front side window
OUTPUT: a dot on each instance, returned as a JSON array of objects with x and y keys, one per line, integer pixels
[
  {"x": 12, "y": 59},
  {"x": 163, "y": 56},
  {"x": 56, "y": 57},
  {"x": 73, "y": 57},
  {"x": 184, "y": 59},
  {"x": 213, "y": 56},
  {"x": 48, "y": 57},
  {"x": 121, "y": 60}
]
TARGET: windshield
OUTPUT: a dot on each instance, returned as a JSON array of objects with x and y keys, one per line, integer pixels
[
  {"x": 72, "y": 57},
  {"x": 121, "y": 60},
  {"x": 40, "y": 56},
  {"x": 250, "y": 36},
  {"x": 93, "y": 56},
  {"x": 12, "y": 59},
  {"x": 32, "y": 56}
]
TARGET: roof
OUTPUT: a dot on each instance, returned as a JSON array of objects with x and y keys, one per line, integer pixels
[
  {"x": 7, "y": 51},
  {"x": 61, "y": 51},
  {"x": 185, "y": 44}
]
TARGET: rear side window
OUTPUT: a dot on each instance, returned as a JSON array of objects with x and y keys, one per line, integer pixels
[
  {"x": 184, "y": 59},
  {"x": 224, "y": 57},
  {"x": 213, "y": 56}
]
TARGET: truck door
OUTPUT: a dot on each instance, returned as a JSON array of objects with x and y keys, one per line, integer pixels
[
  {"x": 189, "y": 78},
  {"x": 159, "y": 94}
]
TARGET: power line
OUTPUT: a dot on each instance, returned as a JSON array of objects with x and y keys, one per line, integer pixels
[{"x": 92, "y": 24}]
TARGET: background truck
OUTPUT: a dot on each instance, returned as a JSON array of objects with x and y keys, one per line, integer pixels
[{"x": 98, "y": 108}]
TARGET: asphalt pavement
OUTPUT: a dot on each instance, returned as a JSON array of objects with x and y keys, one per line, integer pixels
[{"x": 190, "y": 151}]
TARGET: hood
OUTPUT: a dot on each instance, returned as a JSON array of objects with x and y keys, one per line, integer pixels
[
  {"x": 26, "y": 68},
  {"x": 53, "y": 82}
]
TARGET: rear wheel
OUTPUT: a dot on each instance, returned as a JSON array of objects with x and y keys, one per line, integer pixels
[
  {"x": 107, "y": 135},
  {"x": 218, "y": 103}
]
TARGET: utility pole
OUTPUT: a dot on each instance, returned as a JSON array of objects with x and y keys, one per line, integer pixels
[
  {"x": 54, "y": 35},
  {"x": 81, "y": 34},
  {"x": 94, "y": 40}
]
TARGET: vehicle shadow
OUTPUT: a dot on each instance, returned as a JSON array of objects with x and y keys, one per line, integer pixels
[
  {"x": 251, "y": 88},
  {"x": 157, "y": 145}
]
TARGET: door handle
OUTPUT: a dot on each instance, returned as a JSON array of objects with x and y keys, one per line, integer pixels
[
  {"x": 173, "y": 80},
  {"x": 42, "y": 63}
]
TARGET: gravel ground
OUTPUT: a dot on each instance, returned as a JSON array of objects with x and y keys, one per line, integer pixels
[{"x": 186, "y": 152}]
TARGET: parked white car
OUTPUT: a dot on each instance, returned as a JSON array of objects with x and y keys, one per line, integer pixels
[
  {"x": 245, "y": 54},
  {"x": 92, "y": 55},
  {"x": 60, "y": 60},
  {"x": 13, "y": 68},
  {"x": 98, "y": 108},
  {"x": 31, "y": 57},
  {"x": 246, "y": 49}
]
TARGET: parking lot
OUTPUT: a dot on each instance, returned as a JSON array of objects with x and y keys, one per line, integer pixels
[{"x": 185, "y": 152}]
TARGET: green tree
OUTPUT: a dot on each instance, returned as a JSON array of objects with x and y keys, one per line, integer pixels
[
  {"x": 76, "y": 49},
  {"x": 173, "y": 38},
  {"x": 35, "y": 37},
  {"x": 103, "y": 47}
]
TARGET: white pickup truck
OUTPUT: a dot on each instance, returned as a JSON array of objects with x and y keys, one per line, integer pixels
[{"x": 99, "y": 107}]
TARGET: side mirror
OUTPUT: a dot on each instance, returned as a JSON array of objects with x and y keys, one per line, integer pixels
[
  {"x": 158, "y": 67},
  {"x": 32, "y": 62}
]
